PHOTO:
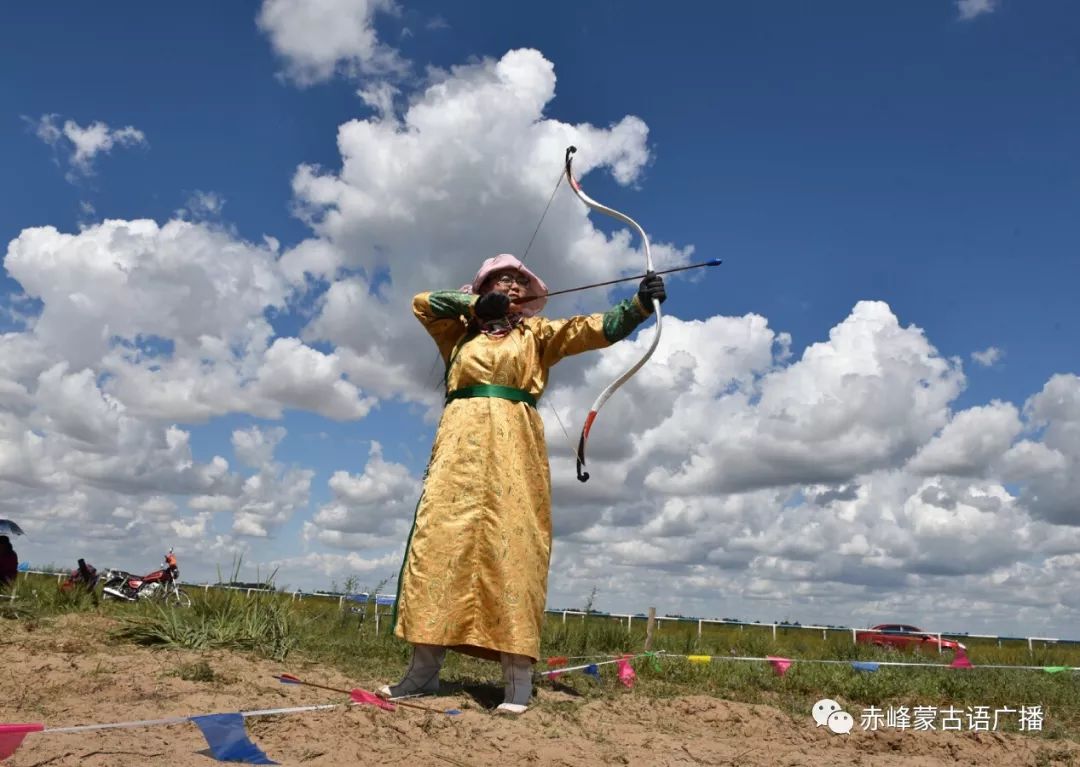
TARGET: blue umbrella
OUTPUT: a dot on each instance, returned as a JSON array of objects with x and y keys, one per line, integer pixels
[{"x": 7, "y": 527}]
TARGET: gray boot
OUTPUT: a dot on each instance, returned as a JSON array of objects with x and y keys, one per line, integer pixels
[
  {"x": 517, "y": 674},
  {"x": 422, "y": 676}
]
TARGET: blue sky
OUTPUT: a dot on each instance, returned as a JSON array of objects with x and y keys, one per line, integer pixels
[{"x": 829, "y": 154}]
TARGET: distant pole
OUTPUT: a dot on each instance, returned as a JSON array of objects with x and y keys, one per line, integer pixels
[{"x": 650, "y": 628}]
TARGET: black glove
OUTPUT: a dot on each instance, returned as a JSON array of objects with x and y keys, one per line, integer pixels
[
  {"x": 492, "y": 306},
  {"x": 651, "y": 287}
]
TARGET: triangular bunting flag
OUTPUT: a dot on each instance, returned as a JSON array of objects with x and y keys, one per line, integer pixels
[
  {"x": 228, "y": 739},
  {"x": 653, "y": 661},
  {"x": 863, "y": 665},
  {"x": 553, "y": 663},
  {"x": 363, "y": 696},
  {"x": 1056, "y": 669},
  {"x": 11, "y": 737},
  {"x": 626, "y": 671},
  {"x": 699, "y": 658},
  {"x": 593, "y": 670},
  {"x": 960, "y": 661},
  {"x": 780, "y": 665}
]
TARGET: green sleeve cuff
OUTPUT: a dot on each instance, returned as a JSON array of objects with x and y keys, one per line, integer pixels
[
  {"x": 621, "y": 319},
  {"x": 451, "y": 303}
]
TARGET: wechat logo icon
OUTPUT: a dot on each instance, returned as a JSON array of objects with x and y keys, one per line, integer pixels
[{"x": 827, "y": 713}]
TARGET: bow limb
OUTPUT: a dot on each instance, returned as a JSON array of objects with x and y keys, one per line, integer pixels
[{"x": 583, "y": 476}]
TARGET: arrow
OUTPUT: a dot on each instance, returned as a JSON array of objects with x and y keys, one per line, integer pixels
[
  {"x": 713, "y": 262},
  {"x": 360, "y": 696}
]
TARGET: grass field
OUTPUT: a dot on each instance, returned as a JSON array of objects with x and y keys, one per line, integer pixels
[{"x": 313, "y": 630}]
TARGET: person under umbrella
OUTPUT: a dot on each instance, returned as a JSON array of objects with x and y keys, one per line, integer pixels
[{"x": 9, "y": 562}]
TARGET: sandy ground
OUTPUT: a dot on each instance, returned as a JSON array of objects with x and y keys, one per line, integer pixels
[{"x": 65, "y": 676}]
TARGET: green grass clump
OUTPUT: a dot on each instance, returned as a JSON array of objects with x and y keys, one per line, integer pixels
[
  {"x": 36, "y": 597},
  {"x": 199, "y": 671},
  {"x": 263, "y": 624}
]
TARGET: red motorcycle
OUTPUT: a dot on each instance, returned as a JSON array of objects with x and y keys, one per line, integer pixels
[{"x": 163, "y": 584}]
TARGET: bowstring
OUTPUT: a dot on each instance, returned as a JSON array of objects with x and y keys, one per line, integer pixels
[
  {"x": 432, "y": 373},
  {"x": 569, "y": 441},
  {"x": 558, "y": 182},
  {"x": 435, "y": 361}
]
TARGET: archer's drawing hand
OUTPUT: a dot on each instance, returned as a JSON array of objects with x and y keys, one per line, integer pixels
[{"x": 492, "y": 306}]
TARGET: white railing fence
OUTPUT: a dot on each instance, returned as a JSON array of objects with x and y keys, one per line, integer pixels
[
  {"x": 364, "y": 599},
  {"x": 775, "y": 628}
]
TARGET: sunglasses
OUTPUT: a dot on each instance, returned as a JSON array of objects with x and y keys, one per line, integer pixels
[{"x": 507, "y": 280}]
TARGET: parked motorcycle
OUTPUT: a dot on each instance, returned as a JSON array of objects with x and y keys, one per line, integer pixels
[{"x": 162, "y": 584}]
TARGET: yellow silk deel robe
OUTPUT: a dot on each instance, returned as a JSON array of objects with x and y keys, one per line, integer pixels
[{"x": 475, "y": 572}]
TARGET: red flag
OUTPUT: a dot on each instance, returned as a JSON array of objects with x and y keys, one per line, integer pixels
[
  {"x": 780, "y": 665},
  {"x": 555, "y": 662},
  {"x": 363, "y": 696},
  {"x": 11, "y": 737}
]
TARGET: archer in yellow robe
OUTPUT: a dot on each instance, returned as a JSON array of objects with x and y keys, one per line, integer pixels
[{"x": 474, "y": 577}]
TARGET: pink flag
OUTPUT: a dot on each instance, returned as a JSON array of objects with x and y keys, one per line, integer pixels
[
  {"x": 961, "y": 660},
  {"x": 626, "y": 671},
  {"x": 11, "y": 737},
  {"x": 363, "y": 696},
  {"x": 780, "y": 665}
]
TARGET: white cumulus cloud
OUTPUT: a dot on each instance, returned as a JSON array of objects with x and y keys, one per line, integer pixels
[
  {"x": 81, "y": 144},
  {"x": 319, "y": 38},
  {"x": 969, "y": 9},
  {"x": 988, "y": 357}
]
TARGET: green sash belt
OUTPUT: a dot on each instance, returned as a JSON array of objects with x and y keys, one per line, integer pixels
[{"x": 492, "y": 390}]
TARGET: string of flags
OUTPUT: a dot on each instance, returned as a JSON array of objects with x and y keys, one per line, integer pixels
[
  {"x": 557, "y": 666},
  {"x": 226, "y": 734},
  {"x": 779, "y": 664},
  {"x": 227, "y": 738}
]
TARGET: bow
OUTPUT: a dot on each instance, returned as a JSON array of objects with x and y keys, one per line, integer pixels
[{"x": 583, "y": 476}]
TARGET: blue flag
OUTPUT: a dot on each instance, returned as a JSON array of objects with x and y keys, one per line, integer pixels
[
  {"x": 228, "y": 739},
  {"x": 862, "y": 665},
  {"x": 593, "y": 670}
]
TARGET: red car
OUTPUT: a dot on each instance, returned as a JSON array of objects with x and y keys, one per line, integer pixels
[{"x": 904, "y": 637}]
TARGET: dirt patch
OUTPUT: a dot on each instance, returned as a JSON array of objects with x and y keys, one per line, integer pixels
[{"x": 68, "y": 674}]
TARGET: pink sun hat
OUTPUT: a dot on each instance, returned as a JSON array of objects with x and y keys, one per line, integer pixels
[{"x": 507, "y": 261}]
